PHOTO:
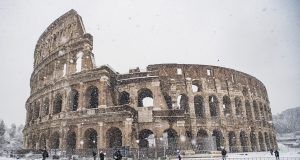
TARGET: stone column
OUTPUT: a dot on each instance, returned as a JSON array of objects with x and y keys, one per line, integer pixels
[
  {"x": 79, "y": 137},
  {"x": 101, "y": 136},
  {"x": 158, "y": 97},
  {"x": 257, "y": 142},
  {"x": 81, "y": 99},
  {"x": 127, "y": 132},
  {"x": 173, "y": 93},
  {"x": 103, "y": 92}
]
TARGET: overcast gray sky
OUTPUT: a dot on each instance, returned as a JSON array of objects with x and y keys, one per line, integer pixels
[{"x": 258, "y": 37}]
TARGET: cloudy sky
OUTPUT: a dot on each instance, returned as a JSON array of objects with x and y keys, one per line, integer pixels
[{"x": 258, "y": 37}]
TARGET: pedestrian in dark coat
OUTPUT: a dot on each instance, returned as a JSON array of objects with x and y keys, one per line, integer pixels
[
  {"x": 276, "y": 154},
  {"x": 44, "y": 154},
  {"x": 271, "y": 151},
  {"x": 101, "y": 155},
  {"x": 117, "y": 155},
  {"x": 94, "y": 154},
  {"x": 224, "y": 152}
]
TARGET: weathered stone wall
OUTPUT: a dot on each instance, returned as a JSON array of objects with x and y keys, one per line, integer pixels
[{"x": 74, "y": 105}]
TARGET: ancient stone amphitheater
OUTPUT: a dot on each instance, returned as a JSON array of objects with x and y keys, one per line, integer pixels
[{"x": 75, "y": 105}]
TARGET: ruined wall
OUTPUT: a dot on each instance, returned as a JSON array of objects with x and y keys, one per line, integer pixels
[{"x": 73, "y": 101}]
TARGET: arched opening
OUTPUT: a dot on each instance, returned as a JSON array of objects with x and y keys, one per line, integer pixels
[
  {"x": 90, "y": 139},
  {"x": 261, "y": 141},
  {"x": 146, "y": 139},
  {"x": 238, "y": 107},
  {"x": 172, "y": 137},
  {"x": 213, "y": 106},
  {"x": 145, "y": 97},
  {"x": 124, "y": 98},
  {"x": 243, "y": 140},
  {"x": 245, "y": 91},
  {"x": 256, "y": 110},
  {"x": 46, "y": 106},
  {"x": 168, "y": 100},
  {"x": 37, "y": 110},
  {"x": 74, "y": 96},
  {"x": 114, "y": 137},
  {"x": 55, "y": 140},
  {"x": 232, "y": 142},
  {"x": 33, "y": 142},
  {"x": 227, "y": 106},
  {"x": 202, "y": 140},
  {"x": 253, "y": 141},
  {"x": 71, "y": 141},
  {"x": 267, "y": 141},
  {"x": 219, "y": 139},
  {"x": 196, "y": 86},
  {"x": 248, "y": 110},
  {"x": 92, "y": 97},
  {"x": 57, "y": 106},
  {"x": 42, "y": 142},
  {"x": 199, "y": 108},
  {"x": 183, "y": 102}
]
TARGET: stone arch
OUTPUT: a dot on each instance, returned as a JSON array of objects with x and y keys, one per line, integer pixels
[
  {"x": 92, "y": 94},
  {"x": 124, "y": 98},
  {"x": 196, "y": 86},
  {"x": 248, "y": 110},
  {"x": 33, "y": 140},
  {"x": 90, "y": 139},
  {"x": 54, "y": 140},
  {"x": 232, "y": 141},
  {"x": 145, "y": 97},
  {"x": 43, "y": 141},
  {"x": 57, "y": 104},
  {"x": 71, "y": 141},
  {"x": 219, "y": 138},
  {"x": 267, "y": 141},
  {"x": 146, "y": 139},
  {"x": 256, "y": 110},
  {"x": 253, "y": 141},
  {"x": 227, "y": 106},
  {"x": 46, "y": 105},
  {"x": 183, "y": 102},
  {"x": 202, "y": 142},
  {"x": 213, "y": 106},
  {"x": 261, "y": 141},
  {"x": 245, "y": 92},
  {"x": 199, "y": 107},
  {"x": 168, "y": 100},
  {"x": 172, "y": 137},
  {"x": 73, "y": 99},
  {"x": 238, "y": 107},
  {"x": 243, "y": 140},
  {"x": 113, "y": 137}
]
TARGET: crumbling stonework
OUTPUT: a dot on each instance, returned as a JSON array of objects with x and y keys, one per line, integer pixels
[{"x": 74, "y": 105}]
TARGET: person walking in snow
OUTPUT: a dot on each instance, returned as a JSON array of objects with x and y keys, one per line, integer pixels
[
  {"x": 101, "y": 155},
  {"x": 224, "y": 152},
  {"x": 271, "y": 151},
  {"x": 94, "y": 154},
  {"x": 276, "y": 154},
  {"x": 179, "y": 155},
  {"x": 117, "y": 155},
  {"x": 44, "y": 154}
]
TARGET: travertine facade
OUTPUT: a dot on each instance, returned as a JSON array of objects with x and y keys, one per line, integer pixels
[{"x": 74, "y": 105}]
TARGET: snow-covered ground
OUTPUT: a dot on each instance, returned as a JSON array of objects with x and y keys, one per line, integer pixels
[{"x": 286, "y": 152}]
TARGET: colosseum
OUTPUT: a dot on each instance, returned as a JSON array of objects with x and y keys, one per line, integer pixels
[{"x": 74, "y": 105}]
